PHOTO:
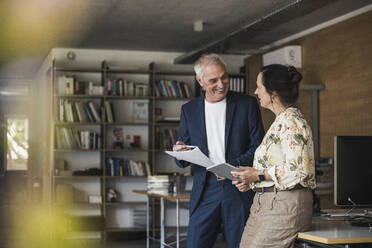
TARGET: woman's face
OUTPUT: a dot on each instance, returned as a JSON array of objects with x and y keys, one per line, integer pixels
[{"x": 262, "y": 94}]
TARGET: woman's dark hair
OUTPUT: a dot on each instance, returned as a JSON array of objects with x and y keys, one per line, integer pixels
[{"x": 284, "y": 80}]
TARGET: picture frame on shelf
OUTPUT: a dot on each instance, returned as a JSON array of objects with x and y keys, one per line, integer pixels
[{"x": 140, "y": 111}]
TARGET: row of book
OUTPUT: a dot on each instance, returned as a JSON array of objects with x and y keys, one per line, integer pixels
[
  {"x": 121, "y": 87},
  {"x": 172, "y": 88},
  {"x": 78, "y": 111},
  {"x": 69, "y": 85},
  {"x": 165, "y": 139},
  {"x": 126, "y": 167},
  {"x": 72, "y": 138},
  {"x": 237, "y": 84}
]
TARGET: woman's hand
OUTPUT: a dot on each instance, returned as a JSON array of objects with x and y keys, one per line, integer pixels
[
  {"x": 246, "y": 174},
  {"x": 242, "y": 187}
]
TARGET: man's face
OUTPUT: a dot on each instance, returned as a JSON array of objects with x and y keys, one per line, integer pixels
[{"x": 215, "y": 81}]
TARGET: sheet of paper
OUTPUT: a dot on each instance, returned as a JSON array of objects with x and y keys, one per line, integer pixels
[{"x": 194, "y": 156}]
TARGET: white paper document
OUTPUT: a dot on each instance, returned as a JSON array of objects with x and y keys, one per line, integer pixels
[{"x": 194, "y": 156}]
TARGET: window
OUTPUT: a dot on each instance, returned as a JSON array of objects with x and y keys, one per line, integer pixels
[{"x": 17, "y": 136}]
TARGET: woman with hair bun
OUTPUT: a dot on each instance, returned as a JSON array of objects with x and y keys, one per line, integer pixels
[{"x": 283, "y": 171}]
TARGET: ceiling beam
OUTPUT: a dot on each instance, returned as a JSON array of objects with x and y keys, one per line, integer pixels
[{"x": 246, "y": 33}]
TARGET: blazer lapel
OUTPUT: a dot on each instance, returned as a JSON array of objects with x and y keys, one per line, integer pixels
[
  {"x": 203, "y": 131},
  {"x": 230, "y": 108}
]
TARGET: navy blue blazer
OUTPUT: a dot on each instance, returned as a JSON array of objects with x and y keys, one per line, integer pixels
[{"x": 243, "y": 134}]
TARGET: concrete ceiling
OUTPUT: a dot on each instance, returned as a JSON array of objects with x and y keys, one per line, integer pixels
[{"x": 29, "y": 29}]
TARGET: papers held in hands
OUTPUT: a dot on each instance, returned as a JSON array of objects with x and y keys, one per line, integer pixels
[
  {"x": 195, "y": 156},
  {"x": 224, "y": 170}
]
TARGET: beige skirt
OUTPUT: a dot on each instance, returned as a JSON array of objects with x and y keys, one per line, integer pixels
[{"x": 276, "y": 218}]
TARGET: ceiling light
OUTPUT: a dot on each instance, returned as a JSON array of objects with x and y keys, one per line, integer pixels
[{"x": 198, "y": 26}]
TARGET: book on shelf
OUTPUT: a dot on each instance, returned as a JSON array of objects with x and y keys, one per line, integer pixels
[
  {"x": 122, "y": 87},
  {"x": 70, "y": 85},
  {"x": 237, "y": 84},
  {"x": 164, "y": 139},
  {"x": 126, "y": 167},
  {"x": 109, "y": 110},
  {"x": 65, "y": 85},
  {"x": 77, "y": 111},
  {"x": 94, "y": 112},
  {"x": 72, "y": 138},
  {"x": 172, "y": 88}
]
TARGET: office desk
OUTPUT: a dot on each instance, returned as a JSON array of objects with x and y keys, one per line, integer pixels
[
  {"x": 336, "y": 234},
  {"x": 162, "y": 197}
]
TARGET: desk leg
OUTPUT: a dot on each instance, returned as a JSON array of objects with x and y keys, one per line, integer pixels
[
  {"x": 178, "y": 222},
  {"x": 148, "y": 222},
  {"x": 162, "y": 223}
]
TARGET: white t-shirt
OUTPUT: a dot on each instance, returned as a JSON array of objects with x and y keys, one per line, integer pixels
[{"x": 215, "y": 121}]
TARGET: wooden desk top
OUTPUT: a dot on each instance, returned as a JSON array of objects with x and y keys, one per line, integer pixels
[
  {"x": 170, "y": 196},
  {"x": 337, "y": 232}
]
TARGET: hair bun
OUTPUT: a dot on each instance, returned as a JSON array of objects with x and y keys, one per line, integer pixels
[{"x": 294, "y": 76}]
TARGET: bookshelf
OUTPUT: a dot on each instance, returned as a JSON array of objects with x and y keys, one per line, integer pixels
[{"x": 113, "y": 119}]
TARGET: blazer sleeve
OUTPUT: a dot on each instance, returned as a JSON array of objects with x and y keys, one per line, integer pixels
[
  {"x": 256, "y": 133},
  {"x": 183, "y": 134}
]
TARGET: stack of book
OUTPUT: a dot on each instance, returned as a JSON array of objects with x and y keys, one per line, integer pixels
[
  {"x": 158, "y": 184},
  {"x": 139, "y": 218}
]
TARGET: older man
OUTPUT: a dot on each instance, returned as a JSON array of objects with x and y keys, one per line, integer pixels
[{"x": 227, "y": 127}]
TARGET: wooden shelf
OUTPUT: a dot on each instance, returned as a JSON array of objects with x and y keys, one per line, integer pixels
[
  {"x": 127, "y": 124},
  {"x": 79, "y": 203},
  {"x": 129, "y": 97},
  {"x": 125, "y": 203},
  {"x": 129, "y": 150},
  {"x": 80, "y": 96},
  {"x": 104, "y": 129},
  {"x": 174, "y": 73},
  {"x": 129, "y": 71},
  {"x": 74, "y": 69},
  {"x": 114, "y": 177},
  {"x": 167, "y": 124},
  {"x": 78, "y": 150},
  {"x": 78, "y": 177},
  {"x": 173, "y": 98},
  {"x": 78, "y": 123},
  {"x": 126, "y": 229}
]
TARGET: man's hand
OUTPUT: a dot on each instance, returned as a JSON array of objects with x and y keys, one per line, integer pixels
[
  {"x": 242, "y": 187},
  {"x": 180, "y": 146}
]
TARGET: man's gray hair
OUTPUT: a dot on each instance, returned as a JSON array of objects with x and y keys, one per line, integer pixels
[{"x": 207, "y": 59}]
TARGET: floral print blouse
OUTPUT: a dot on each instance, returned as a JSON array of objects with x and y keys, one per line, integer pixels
[{"x": 287, "y": 152}]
